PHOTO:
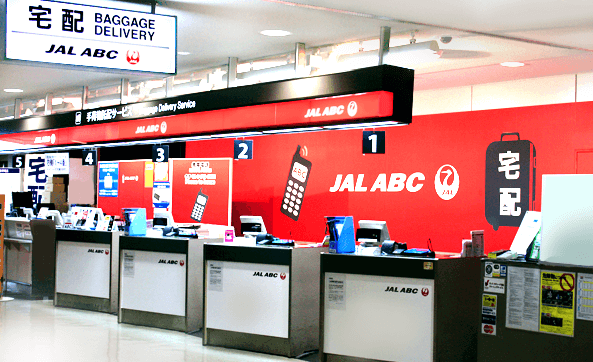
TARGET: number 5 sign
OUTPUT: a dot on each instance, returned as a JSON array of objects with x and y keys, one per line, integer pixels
[{"x": 243, "y": 149}]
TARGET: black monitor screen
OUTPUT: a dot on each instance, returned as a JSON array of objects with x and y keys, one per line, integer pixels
[
  {"x": 250, "y": 227},
  {"x": 22, "y": 199}
]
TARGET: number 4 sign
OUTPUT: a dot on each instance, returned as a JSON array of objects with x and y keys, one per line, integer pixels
[
  {"x": 89, "y": 157},
  {"x": 243, "y": 149},
  {"x": 373, "y": 142}
]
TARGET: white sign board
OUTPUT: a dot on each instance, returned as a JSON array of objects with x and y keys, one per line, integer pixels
[
  {"x": 248, "y": 298},
  {"x": 72, "y": 34},
  {"x": 153, "y": 282},
  {"x": 83, "y": 269},
  {"x": 378, "y": 317},
  {"x": 35, "y": 175},
  {"x": 57, "y": 164}
]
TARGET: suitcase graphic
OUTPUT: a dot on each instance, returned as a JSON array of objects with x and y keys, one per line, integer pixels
[{"x": 510, "y": 181}]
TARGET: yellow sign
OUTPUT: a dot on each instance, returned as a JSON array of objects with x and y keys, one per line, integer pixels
[
  {"x": 489, "y": 300},
  {"x": 148, "y": 174},
  {"x": 557, "y": 302}
]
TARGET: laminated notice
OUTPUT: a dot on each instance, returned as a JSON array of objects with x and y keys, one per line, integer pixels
[
  {"x": 336, "y": 292},
  {"x": 129, "y": 263},
  {"x": 215, "y": 276},
  {"x": 557, "y": 302},
  {"x": 585, "y": 297},
  {"x": 523, "y": 298}
]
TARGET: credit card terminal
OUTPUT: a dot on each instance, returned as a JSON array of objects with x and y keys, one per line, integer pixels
[
  {"x": 198, "y": 210},
  {"x": 292, "y": 200}
]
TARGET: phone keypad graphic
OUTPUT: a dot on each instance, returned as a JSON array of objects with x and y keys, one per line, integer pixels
[
  {"x": 292, "y": 200},
  {"x": 198, "y": 210}
]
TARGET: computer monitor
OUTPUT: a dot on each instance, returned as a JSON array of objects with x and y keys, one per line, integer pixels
[
  {"x": 22, "y": 200},
  {"x": 252, "y": 225},
  {"x": 372, "y": 231}
]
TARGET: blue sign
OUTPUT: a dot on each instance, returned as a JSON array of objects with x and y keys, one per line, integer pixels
[
  {"x": 108, "y": 179},
  {"x": 161, "y": 194},
  {"x": 9, "y": 170}
]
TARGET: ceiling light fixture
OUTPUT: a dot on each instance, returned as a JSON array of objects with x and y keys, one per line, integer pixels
[
  {"x": 183, "y": 53},
  {"x": 512, "y": 64},
  {"x": 13, "y": 90},
  {"x": 275, "y": 33}
]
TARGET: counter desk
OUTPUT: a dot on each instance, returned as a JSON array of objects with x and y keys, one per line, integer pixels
[
  {"x": 87, "y": 267},
  {"x": 29, "y": 255},
  {"x": 262, "y": 298},
  {"x": 383, "y": 308},
  {"x": 161, "y": 282}
]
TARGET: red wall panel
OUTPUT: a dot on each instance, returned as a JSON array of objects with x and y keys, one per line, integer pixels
[{"x": 456, "y": 139}]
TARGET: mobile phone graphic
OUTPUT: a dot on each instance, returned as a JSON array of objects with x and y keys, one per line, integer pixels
[
  {"x": 198, "y": 210},
  {"x": 292, "y": 200}
]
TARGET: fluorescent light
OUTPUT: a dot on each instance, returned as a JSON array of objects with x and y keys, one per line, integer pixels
[
  {"x": 294, "y": 130},
  {"x": 13, "y": 90},
  {"x": 275, "y": 33},
  {"x": 365, "y": 125},
  {"x": 512, "y": 64},
  {"x": 183, "y": 53},
  {"x": 236, "y": 135}
]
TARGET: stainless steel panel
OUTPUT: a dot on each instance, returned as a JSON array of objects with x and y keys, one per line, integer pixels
[
  {"x": 81, "y": 302},
  {"x": 250, "y": 342},
  {"x": 148, "y": 319}
]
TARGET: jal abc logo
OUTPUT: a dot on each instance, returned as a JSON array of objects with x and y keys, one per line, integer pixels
[
  {"x": 133, "y": 56},
  {"x": 352, "y": 108},
  {"x": 163, "y": 127},
  {"x": 425, "y": 292},
  {"x": 446, "y": 182}
]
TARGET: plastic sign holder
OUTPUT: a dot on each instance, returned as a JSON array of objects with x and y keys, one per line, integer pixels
[{"x": 341, "y": 231}]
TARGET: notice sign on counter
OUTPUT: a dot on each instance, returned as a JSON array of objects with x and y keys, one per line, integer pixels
[
  {"x": 523, "y": 299},
  {"x": 215, "y": 276},
  {"x": 585, "y": 296},
  {"x": 557, "y": 302},
  {"x": 489, "y": 314},
  {"x": 336, "y": 292},
  {"x": 129, "y": 263}
]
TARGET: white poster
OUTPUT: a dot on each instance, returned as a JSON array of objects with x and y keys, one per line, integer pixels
[
  {"x": 494, "y": 285},
  {"x": 585, "y": 296},
  {"x": 336, "y": 292},
  {"x": 215, "y": 276},
  {"x": 35, "y": 175},
  {"x": 523, "y": 298},
  {"x": 57, "y": 164},
  {"x": 72, "y": 34},
  {"x": 128, "y": 264}
]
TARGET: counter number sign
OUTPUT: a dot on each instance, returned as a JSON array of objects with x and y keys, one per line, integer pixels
[
  {"x": 18, "y": 161},
  {"x": 160, "y": 153},
  {"x": 89, "y": 157},
  {"x": 373, "y": 142},
  {"x": 243, "y": 149}
]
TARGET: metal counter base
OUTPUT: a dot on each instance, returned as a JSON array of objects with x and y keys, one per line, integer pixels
[
  {"x": 82, "y": 302},
  {"x": 339, "y": 358},
  {"x": 249, "y": 342},
  {"x": 149, "y": 319}
]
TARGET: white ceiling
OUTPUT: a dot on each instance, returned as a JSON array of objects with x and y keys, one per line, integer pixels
[{"x": 551, "y": 36}]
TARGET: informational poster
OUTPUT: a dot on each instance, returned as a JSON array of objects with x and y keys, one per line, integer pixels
[
  {"x": 161, "y": 195},
  {"x": 129, "y": 263},
  {"x": 2, "y": 212},
  {"x": 215, "y": 276},
  {"x": 523, "y": 298},
  {"x": 108, "y": 179},
  {"x": 57, "y": 164},
  {"x": 489, "y": 314},
  {"x": 585, "y": 296},
  {"x": 494, "y": 285},
  {"x": 557, "y": 302},
  {"x": 35, "y": 175},
  {"x": 202, "y": 190},
  {"x": 336, "y": 292}
]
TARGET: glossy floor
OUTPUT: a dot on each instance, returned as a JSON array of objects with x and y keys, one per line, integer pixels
[{"x": 38, "y": 331}]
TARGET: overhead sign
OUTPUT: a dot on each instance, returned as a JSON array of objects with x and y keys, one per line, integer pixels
[{"x": 73, "y": 34}]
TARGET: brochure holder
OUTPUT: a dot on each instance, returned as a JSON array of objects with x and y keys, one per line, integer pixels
[
  {"x": 135, "y": 222},
  {"x": 341, "y": 234}
]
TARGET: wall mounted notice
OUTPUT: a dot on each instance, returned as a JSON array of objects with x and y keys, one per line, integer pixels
[
  {"x": 494, "y": 285},
  {"x": 557, "y": 302},
  {"x": 72, "y": 34},
  {"x": 108, "y": 179},
  {"x": 523, "y": 298},
  {"x": 489, "y": 314},
  {"x": 336, "y": 292},
  {"x": 57, "y": 163},
  {"x": 585, "y": 296}
]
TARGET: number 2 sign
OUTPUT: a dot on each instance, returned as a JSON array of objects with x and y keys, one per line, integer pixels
[{"x": 243, "y": 149}]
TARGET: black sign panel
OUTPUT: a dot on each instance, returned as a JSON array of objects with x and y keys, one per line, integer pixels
[
  {"x": 510, "y": 181},
  {"x": 373, "y": 142},
  {"x": 18, "y": 161},
  {"x": 160, "y": 153},
  {"x": 89, "y": 157},
  {"x": 243, "y": 149}
]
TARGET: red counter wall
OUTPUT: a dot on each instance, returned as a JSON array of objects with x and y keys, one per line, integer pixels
[{"x": 457, "y": 139}]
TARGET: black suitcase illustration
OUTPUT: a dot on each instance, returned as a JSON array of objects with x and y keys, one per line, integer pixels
[{"x": 510, "y": 181}]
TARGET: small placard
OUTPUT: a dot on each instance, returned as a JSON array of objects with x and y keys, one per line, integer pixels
[
  {"x": 373, "y": 142},
  {"x": 18, "y": 161},
  {"x": 243, "y": 149},
  {"x": 89, "y": 157},
  {"x": 160, "y": 153}
]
